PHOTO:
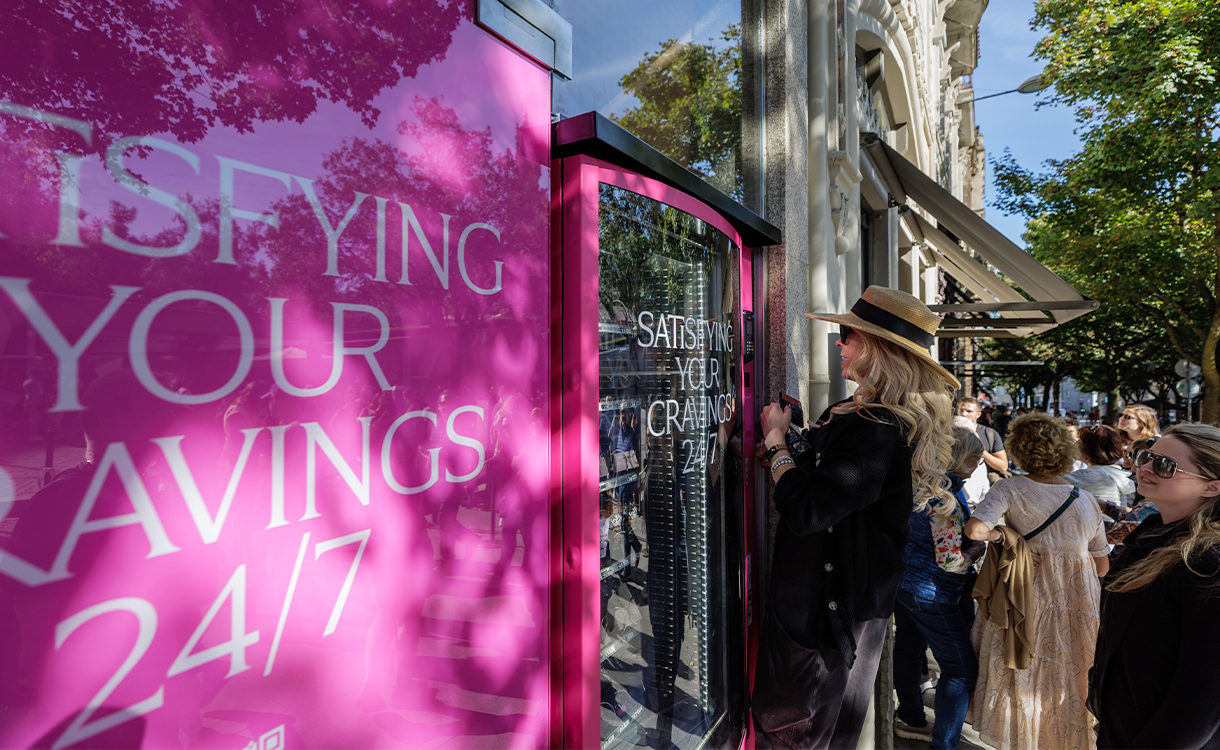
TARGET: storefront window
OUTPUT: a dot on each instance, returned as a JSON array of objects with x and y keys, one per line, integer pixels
[
  {"x": 681, "y": 76},
  {"x": 670, "y": 495},
  {"x": 274, "y": 372}
]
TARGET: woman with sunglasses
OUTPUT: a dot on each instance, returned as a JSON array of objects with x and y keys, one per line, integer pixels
[
  {"x": 1156, "y": 679},
  {"x": 1137, "y": 421},
  {"x": 1042, "y": 706},
  {"x": 844, "y": 518},
  {"x": 1128, "y": 521}
]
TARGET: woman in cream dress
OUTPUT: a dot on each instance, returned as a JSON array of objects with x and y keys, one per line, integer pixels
[{"x": 1043, "y": 706}]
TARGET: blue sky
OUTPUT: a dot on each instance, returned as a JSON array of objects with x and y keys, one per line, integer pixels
[{"x": 1005, "y": 47}]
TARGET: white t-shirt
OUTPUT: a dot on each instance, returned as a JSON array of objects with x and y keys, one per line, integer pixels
[{"x": 977, "y": 485}]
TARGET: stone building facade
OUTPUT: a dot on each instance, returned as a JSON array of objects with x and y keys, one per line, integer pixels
[{"x": 835, "y": 71}]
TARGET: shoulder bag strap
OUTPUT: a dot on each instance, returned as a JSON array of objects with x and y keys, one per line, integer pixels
[{"x": 1071, "y": 499}]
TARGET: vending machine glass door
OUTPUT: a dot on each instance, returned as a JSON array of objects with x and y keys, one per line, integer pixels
[{"x": 669, "y": 477}]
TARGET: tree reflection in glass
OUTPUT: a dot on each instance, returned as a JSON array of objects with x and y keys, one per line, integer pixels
[{"x": 224, "y": 196}]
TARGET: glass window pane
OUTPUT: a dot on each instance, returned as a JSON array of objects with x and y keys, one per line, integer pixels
[
  {"x": 274, "y": 377},
  {"x": 670, "y": 508}
]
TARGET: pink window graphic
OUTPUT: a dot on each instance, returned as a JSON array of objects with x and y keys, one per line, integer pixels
[{"x": 274, "y": 372}]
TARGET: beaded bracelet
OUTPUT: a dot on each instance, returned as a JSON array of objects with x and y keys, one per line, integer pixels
[{"x": 781, "y": 461}]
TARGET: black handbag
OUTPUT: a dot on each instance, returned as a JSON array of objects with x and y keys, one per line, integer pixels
[{"x": 785, "y": 679}]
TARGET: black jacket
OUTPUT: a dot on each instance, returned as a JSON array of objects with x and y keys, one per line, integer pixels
[
  {"x": 1156, "y": 675},
  {"x": 840, "y": 548}
]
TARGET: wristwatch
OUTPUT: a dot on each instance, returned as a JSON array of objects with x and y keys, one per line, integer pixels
[{"x": 770, "y": 452}]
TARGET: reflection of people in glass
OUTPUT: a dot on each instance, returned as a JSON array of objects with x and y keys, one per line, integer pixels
[
  {"x": 244, "y": 412},
  {"x": 399, "y": 552},
  {"x": 117, "y": 410},
  {"x": 844, "y": 509},
  {"x": 626, "y": 444},
  {"x": 726, "y": 602},
  {"x": 668, "y": 588},
  {"x": 35, "y": 404},
  {"x": 456, "y": 540}
]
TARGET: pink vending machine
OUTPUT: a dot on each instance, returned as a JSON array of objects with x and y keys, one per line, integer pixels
[{"x": 654, "y": 411}]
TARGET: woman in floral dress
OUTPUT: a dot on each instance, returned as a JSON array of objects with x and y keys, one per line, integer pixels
[{"x": 1043, "y": 706}]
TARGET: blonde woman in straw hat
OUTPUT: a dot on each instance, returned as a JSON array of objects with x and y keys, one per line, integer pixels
[{"x": 844, "y": 510}]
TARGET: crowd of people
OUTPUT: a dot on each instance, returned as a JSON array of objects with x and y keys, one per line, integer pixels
[{"x": 1089, "y": 621}]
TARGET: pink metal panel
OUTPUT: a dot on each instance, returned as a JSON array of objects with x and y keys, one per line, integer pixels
[
  {"x": 288, "y": 265},
  {"x": 580, "y": 450},
  {"x": 556, "y": 540},
  {"x": 659, "y": 191},
  {"x": 749, "y": 463}
]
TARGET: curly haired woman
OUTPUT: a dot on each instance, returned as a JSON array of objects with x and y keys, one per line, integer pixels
[
  {"x": 1043, "y": 706},
  {"x": 844, "y": 510},
  {"x": 1157, "y": 677}
]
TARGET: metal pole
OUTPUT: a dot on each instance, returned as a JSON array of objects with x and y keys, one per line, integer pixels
[{"x": 989, "y": 96}]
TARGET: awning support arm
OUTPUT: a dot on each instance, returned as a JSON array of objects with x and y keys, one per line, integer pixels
[{"x": 1075, "y": 304}]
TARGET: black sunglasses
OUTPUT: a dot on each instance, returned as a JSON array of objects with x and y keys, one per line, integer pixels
[
  {"x": 844, "y": 333},
  {"x": 1163, "y": 466}
]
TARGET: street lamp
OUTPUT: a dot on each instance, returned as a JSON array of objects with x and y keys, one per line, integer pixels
[{"x": 1031, "y": 85}]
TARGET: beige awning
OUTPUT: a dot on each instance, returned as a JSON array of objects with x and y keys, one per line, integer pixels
[{"x": 1001, "y": 311}]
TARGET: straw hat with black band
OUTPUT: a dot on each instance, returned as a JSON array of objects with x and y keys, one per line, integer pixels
[{"x": 897, "y": 317}]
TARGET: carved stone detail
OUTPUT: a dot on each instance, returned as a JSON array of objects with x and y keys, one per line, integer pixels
[{"x": 844, "y": 214}]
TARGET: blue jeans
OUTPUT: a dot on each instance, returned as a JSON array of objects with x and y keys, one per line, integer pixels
[{"x": 925, "y": 624}]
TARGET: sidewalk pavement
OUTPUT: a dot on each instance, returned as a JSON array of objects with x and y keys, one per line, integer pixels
[{"x": 970, "y": 738}]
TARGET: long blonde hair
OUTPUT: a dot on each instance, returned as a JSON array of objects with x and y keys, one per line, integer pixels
[
  {"x": 1146, "y": 418},
  {"x": 1203, "y": 442},
  {"x": 920, "y": 393}
]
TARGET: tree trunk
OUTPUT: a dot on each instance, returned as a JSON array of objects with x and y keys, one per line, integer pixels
[
  {"x": 1112, "y": 410},
  {"x": 1055, "y": 397},
  {"x": 1211, "y": 376},
  {"x": 1210, "y": 411},
  {"x": 1112, "y": 397}
]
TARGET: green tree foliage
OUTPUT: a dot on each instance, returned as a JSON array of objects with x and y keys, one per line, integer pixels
[
  {"x": 690, "y": 110},
  {"x": 652, "y": 255},
  {"x": 1134, "y": 217},
  {"x": 1114, "y": 351},
  {"x": 690, "y": 106}
]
